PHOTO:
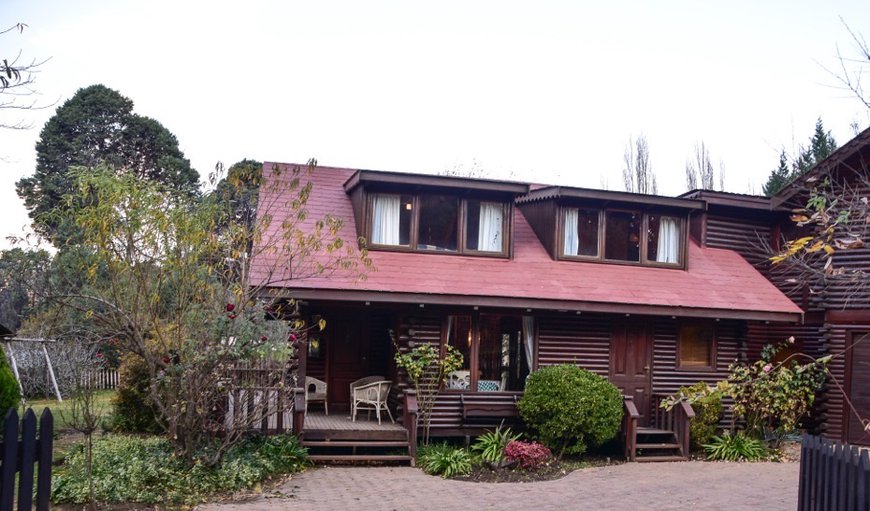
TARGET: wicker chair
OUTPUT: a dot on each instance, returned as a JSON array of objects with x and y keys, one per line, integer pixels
[
  {"x": 315, "y": 392},
  {"x": 370, "y": 393}
]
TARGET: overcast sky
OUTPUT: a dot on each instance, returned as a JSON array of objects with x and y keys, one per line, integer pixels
[{"x": 544, "y": 91}]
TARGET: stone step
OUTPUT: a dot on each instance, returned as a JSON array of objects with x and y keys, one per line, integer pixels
[
  {"x": 648, "y": 459},
  {"x": 360, "y": 457}
]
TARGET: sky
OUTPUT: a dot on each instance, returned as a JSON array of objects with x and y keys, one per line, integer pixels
[{"x": 543, "y": 91}]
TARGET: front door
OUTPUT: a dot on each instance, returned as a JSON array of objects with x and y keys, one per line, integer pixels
[
  {"x": 859, "y": 388},
  {"x": 631, "y": 363},
  {"x": 349, "y": 357}
]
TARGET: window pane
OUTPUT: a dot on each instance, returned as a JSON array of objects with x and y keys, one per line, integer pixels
[
  {"x": 500, "y": 354},
  {"x": 459, "y": 336},
  {"x": 580, "y": 232},
  {"x": 484, "y": 224},
  {"x": 663, "y": 239},
  {"x": 391, "y": 219},
  {"x": 439, "y": 217},
  {"x": 696, "y": 345},
  {"x": 622, "y": 238}
]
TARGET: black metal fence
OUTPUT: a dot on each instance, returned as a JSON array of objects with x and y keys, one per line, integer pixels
[
  {"x": 833, "y": 476},
  {"x": 22, "y": 448}
]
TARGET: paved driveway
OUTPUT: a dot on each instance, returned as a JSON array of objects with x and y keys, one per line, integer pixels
[{"x": 631, "y": 486}]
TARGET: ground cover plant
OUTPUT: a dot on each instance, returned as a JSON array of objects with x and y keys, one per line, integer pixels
[{"x": 145, "y": 470}]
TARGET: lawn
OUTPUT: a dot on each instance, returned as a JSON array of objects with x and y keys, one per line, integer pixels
[{"x": 61, "y": 409}]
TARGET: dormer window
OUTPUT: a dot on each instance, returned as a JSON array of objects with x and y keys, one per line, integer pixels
[
  {"x": 438, "y": 223},
  {"x": 619, "y": 235}
]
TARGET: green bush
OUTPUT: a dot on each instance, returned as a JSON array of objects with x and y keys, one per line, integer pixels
[
  {"x": 10, "y": 394},
  {"x": 144, "y": 470},
  {"x": 490, "y": 445},
  {"x": 444, "y": 460},
  {"x": 132, "y": 409},
  {"x": 570, "y": 409},
  {"x": 736, "y": 447},
  {"x": 707, "y": 404}
]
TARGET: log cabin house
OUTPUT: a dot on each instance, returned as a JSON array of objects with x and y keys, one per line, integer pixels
[{"x": 647, "y": 291}]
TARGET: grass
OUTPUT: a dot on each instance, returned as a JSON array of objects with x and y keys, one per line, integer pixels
[{"x": 61, "y": 409}]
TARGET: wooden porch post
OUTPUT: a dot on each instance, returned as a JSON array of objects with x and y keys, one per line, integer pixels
[{"x": 410, "y": 422}]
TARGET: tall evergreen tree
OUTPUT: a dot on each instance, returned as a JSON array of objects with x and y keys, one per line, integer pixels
[
  {"x": 821, "y": 145},
  {"x": 97, "y": 125}
]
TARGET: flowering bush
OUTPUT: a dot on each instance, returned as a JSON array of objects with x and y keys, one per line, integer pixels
[
  {"x": 773, "y": 396},
  {"x": 529, "y": 455}
]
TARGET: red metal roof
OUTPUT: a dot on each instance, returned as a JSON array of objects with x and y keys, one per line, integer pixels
[{"x": 718, "y": 282}]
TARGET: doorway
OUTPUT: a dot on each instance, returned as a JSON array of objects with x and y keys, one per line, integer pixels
[{"x": 631, "y": 364}]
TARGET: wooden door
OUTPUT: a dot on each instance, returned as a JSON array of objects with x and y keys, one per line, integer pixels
[
  {"x": 349, "y": 353},
  {"x": 631, "y": 364},
  {"x": 859, "y": 387}
]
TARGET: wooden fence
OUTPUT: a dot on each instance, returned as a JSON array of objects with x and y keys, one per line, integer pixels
[
  {"x": 106, "y": 379},
  {"x": 833, "y": 476},
  {"x": 261, "y": 397},
  {"x": 18, "y": 454}
]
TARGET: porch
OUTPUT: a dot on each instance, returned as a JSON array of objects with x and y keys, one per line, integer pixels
[{"x": 337, "y": 437}]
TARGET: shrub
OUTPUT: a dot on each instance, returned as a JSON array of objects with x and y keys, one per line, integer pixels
[
  {"x": 145, "y": 470},
  {"x": 444, "y": 460},
  {"x": 10, "y": 394},
  {"x": 736, "y": 447},
  {"x": 529, "y": 455},
  {"x": 706, "y": 401},
  {"x": 490, "y": 445},
  {"x": 133, "y": 411},
  {"x": 570, "y": 409}
]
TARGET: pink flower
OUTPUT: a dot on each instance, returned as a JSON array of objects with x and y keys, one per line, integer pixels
[
  {"x": 230, "y": 307},
  {"x": 791, "y": 340},
  {"x": 99, "y": 355},
  {"x": 292, "y": 337},
  {"x": 767, "y": 368}
]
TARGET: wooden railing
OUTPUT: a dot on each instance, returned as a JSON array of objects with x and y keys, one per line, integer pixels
[
  {"x": 629, "y": 427},
  {"x": 298, "y": 411},
  {"x": 409, "y": 419},
  {"x": 17, "y": 458},
  {"x": 676, "y": 419}
]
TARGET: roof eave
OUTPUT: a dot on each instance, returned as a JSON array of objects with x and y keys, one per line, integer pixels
[
  {"x": 362, "y": 177},
  {"x": 555, "y": 192}
]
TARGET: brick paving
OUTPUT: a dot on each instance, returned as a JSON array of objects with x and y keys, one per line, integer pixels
[{"x": 631, "y": 486}]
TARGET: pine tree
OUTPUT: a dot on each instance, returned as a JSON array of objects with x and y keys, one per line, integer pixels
[
  {"x": 779, "y": 177},
  {"x": 821, "y": 145}
]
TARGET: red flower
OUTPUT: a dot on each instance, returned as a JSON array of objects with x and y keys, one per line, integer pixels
[
  {"x": 230, "y": 307},
  {"x": 231, "y": 316},
  {"x": 99, "y": 355},
  {"x": 263, "y": 338},
  {"x": 292, "y": 337},
  {"x": 166, "y": 359}
]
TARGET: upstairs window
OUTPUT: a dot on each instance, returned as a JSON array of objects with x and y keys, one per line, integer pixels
[
  {"x": 391, "y": 219},
  {"x": 441, "y": 223},
  {"x": 622, "y": 236}
]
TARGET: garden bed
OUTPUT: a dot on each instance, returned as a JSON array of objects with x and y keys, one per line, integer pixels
[{"x": 555, "y": 469}]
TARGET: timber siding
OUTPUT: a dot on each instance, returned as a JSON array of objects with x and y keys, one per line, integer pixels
[{"x": 740, "y": 233}]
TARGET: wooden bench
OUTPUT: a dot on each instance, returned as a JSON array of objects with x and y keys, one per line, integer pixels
[{"x": 482, "y": 406}]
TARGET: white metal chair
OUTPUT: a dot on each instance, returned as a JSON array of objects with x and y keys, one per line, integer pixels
[
  {"x": 315, "y": 392},
  {"x": 371, "y": 395}
]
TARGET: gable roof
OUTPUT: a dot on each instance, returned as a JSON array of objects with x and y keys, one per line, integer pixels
[{"x": 718, "y": 283}]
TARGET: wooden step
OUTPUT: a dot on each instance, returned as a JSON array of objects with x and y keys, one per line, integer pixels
[
  {"x": 360, "y": 457},
  {"x": 654, "y": 431},
  {"x": 647, "y": 459},
  {"x": 659, "y": 446},
  {"x": 353, "y": 443}
]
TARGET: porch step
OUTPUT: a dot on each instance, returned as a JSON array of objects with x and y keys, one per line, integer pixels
[
  {"x": 658, "y": 446},
  {"x": 360, "y": 457},
  {"x": 642, "y": 459},
  {"x": 352, "y": 443}
]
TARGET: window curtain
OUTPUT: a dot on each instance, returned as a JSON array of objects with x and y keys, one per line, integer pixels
[
  {"x": 529, "y": 337},
  {"x": 669, "y": 241},
  {"x": 489, "y": 237},
  {"x": 572, "y": 240},
  {"x": 385, "y": 219}
]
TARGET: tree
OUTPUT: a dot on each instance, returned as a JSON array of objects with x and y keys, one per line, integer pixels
[
  {"x": 17, "y": 77},
  {"x": 172, "y": 287},
  {"x": 637, "y": 173},
  {"x": 97, "y": 125},
  {"x": 699, "y": 170},
  {"x": 821, "y": 145},
  {"x": 779, "y": 177},
  {"x": 854, "y": 68},
  {"x": 20, "y": 272}
]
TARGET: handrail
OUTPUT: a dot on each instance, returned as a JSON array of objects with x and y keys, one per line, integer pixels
[
  {"x": 629, "y": 427},
  {"x": 676, "y": 419},
  {"x": 298, "y": 411},
  {"x": 410, "y": 412}
]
